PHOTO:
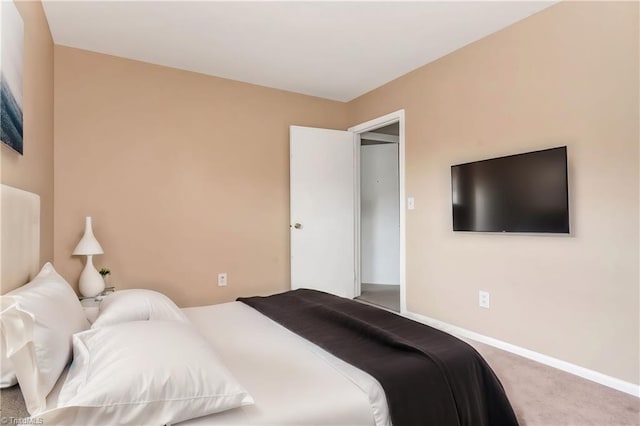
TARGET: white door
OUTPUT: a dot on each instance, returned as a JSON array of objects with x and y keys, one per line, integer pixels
[{"x": 322, "y": 210}]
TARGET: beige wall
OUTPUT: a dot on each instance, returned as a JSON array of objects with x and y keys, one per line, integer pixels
[
  {"x": 566, "y": 76},
  {"x": 33, "y": 171},
  {"x": 185, "y": 175}
]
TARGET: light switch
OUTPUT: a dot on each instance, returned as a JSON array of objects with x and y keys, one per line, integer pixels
[{"x": 411, "y": 204}]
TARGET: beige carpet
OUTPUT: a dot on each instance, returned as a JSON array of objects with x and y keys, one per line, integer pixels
[
  {"x": 12, "y": 404},
  {"x": 540, "y": 395},
  {"x": 387, "y": 296},
  {"x": 545, "y": 396}
]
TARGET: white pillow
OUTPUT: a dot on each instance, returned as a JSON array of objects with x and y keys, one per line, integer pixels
[
  {"x": 137, "y": 305},
  {"x": 38, "y": 320},
  {"x": 143, "y": 372},
  {"x": 7, "y": 374}
]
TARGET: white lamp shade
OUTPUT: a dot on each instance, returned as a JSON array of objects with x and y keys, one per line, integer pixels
[{"x": 88, "y": 245}]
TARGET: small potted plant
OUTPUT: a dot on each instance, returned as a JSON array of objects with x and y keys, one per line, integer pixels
[{"x": 105, "y": 272}]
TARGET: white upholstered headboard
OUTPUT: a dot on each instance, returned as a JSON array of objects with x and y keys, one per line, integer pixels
[{"x": 20, "y": 237}]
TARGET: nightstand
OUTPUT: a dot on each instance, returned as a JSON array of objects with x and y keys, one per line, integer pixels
[{"x": 91, "y": 305}]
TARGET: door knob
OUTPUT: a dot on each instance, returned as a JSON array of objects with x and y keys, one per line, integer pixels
[{"x": 298, "y": 226}]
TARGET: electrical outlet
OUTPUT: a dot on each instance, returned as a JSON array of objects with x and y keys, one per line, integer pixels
[
  {"x": 411, "y": 203},
  {"x": 484, "y": 299},
  {"x": 222, "y": 279}
]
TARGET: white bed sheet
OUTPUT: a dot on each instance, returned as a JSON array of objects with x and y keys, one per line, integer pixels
[{"x": 293, "y": 381}]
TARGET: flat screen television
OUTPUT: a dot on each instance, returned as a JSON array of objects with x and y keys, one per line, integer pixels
[{"x": 518, "y": 193}]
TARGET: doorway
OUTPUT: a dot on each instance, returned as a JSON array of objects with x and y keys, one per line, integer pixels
[
  {"x": 325, "y": 207},
  {"x": 380, "y": 216}
]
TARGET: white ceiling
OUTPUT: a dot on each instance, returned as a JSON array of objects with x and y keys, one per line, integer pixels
[{"x": 334, "y": 50}]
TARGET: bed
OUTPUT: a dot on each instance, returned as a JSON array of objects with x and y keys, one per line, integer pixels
[
  {"x": 294, "y": 381},
  {"x": 298, "y": 358}
]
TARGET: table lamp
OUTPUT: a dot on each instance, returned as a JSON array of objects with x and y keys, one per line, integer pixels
[{"x": 91, "y": 282}]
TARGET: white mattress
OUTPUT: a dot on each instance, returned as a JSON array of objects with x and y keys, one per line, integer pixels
[{"x": 293, "y": 381}]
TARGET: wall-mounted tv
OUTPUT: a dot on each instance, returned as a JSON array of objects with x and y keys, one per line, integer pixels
[{"x": 518, "y": 193}]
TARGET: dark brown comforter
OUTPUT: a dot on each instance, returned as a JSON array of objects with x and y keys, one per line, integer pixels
[{"x": 429, "y": 377}]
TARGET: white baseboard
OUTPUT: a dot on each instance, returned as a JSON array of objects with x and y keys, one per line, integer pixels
[{"x": 594, "y": 376}]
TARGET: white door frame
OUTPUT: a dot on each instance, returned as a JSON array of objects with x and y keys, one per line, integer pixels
[{"x": 397, "y": 116}]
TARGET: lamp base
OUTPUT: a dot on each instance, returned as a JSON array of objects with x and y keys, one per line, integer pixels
[{"x": 91, "y": 282}]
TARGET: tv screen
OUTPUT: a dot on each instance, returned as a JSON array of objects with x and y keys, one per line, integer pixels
[{"x": 518, "y": 193}]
